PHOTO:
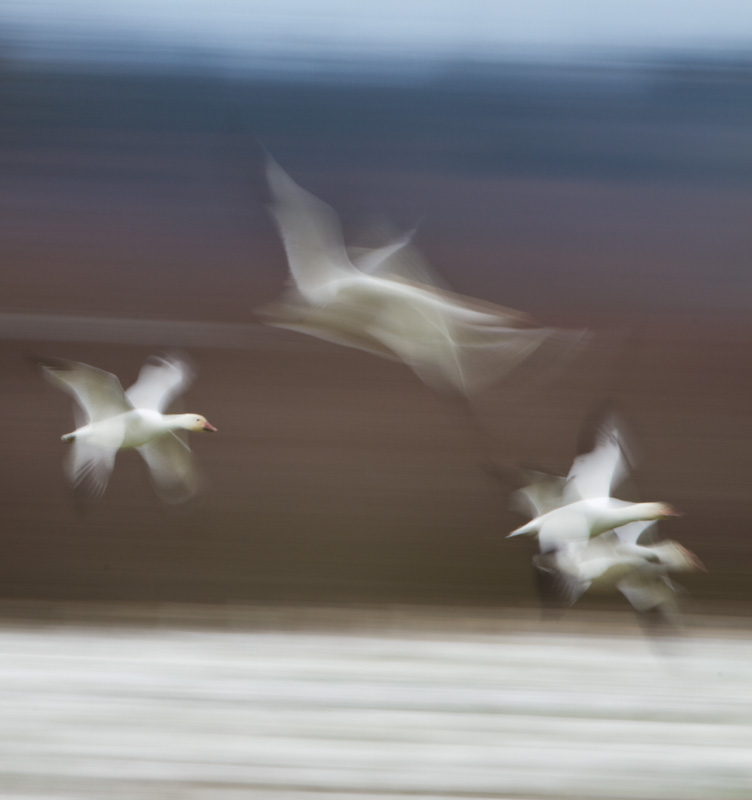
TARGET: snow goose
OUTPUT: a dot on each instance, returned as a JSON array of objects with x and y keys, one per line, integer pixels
[
  {"x": 571, "y": 562},
  {"x": 615, "y": 560},
  {"x": 452, "y": 343},
  {"x": 113, "y": 420},
  {"x": 579, "y": 507}
]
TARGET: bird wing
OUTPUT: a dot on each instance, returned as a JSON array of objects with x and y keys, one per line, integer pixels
[
  {"x": 159, "y": 382},
  {"x": 171, "y": 467},
  {"x": 447, "y": 341},
  {"x": 312, "y": 236},
  {"x": 388, "y": 258},
  {"x": 630, "y": 533},
  {"x": 452, "y": 306},
  {"x": 596, "y": 473},
  {"x": 646, "y": 591},
  {"x": 565, "y": 584},
  {"x": 88, "y": 467},
  {"x": 99, "y": 393},
  {"x": 543, "y": 494},
  {"x": 398, "y": 258},
  {"x": 338, "y": 322}
]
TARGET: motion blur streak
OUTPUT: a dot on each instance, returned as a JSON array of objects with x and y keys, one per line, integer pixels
[
  {"x": 363, "y": 703},
  {"x": 111, "y": 330},
  {"x": 379, "y": 302}
]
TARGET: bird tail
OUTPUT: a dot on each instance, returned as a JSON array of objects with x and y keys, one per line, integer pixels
[{"x": 531, "y": 527}]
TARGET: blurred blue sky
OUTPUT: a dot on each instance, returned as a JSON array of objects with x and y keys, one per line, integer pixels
[{"x": 406, "y": 28}]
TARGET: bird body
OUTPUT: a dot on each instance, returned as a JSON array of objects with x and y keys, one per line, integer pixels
[
  {"x": 583, "y": 519},
  {"x": 135, "y": 428}
]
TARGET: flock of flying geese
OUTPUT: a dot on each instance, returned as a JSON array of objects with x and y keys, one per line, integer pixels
[{"x": 385, "y": 301}]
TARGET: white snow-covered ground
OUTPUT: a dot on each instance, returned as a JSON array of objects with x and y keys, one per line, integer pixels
[{"x": 507, "y": 709}]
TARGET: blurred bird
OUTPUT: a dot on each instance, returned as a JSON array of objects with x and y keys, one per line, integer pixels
[
  {"x": 614, "y": 560},
  {"x": 454, "y": 344},
  {"x": 588, "y": 539},
  {"x": 114, "y": 420},
  {"x": 576, "y": 508}
]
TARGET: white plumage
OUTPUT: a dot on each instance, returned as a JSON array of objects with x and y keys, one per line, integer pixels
[
  {"x": 580, "y": 506},
  {"x": 110, "y": 419},
  {"x": 589, "y": 540},
  {"x": 451, "y": 342}
]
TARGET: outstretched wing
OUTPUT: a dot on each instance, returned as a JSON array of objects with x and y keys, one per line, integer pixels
[
  {"x": 89, "y": 467},
  {"x": 99, "y": 393},
  {"x": 160, "y": 381},
  {"x": 172, "y": 469},
  {"x": 544, "y": 493},
  {"x": 630, "y": 533},
  {"x": 558, "y": 585},
  {"x": 377, "y": 259},
  {"x": 312, "y": 235},
  {"x": 596, "y": 473},
  {"x": 650, "y": 590},
  {"x": 395, "y": 257}
]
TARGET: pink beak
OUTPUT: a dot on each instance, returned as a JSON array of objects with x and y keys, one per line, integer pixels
[
  {"x": 209, "y": 427},
  {"x": 700, "y": 565}
]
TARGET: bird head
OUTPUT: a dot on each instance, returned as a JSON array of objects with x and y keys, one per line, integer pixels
[
  {"x": 196, "y": 422},
  {"x": 666, "y": 510}
]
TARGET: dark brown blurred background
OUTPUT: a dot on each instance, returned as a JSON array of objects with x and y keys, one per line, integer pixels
[{"x": 618, "y": 200}]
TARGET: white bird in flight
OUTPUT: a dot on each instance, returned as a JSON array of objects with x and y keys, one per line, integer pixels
[
  {"x": 579, "y": 507},
  {"x": 615, "y": 560},
  {"x": 451, "y": 342},
  {"x": 589, "y": 540},
  {"x": 114, "y": 420}
]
